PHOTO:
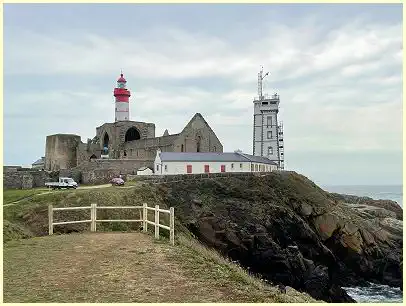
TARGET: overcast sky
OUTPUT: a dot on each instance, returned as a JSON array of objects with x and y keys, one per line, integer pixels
[{"x": 337, "y": 68}]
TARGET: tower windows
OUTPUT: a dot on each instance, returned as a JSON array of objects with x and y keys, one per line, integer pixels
[
  {"x": 269, "y": 121},
  {"x": 182, "y": 148},
  {"x": 270, "y": 135},
  {"x": 270, "y": 151}
]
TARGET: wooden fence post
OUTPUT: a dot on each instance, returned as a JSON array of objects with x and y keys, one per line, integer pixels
[
  {"x": 172, "y": 226},
  {"x": 50, "y": 219},
  {"x": 93, "y": 217},
  {"x": 156, "y": 221},
  {"x": 144, "y": 217}
]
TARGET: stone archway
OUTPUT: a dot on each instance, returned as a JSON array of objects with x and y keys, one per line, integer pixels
[
  {"x": 106, "y": 140},
  {"x": 132, "y": 134}
]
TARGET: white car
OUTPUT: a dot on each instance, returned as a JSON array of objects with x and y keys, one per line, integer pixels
[{"x": 64, "y": 182}]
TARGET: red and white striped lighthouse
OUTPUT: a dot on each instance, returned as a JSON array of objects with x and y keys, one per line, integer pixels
[{"x": 122, "y": 96}]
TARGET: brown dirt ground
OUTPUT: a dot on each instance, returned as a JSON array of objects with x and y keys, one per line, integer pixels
[{"x": 108, "y": 267}]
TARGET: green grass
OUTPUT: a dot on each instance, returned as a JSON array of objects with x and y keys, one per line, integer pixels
[
  {"x": 203, "y": 273},
  {"x": 13, "y": 195},
  {"x": 31, "y": 214}
]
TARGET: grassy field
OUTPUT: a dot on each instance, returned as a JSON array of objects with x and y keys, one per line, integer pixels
[
  {"x": 127, "y": 267},
  {"x": 115, "y": 267},
  {"x": 13, "y": 195}
]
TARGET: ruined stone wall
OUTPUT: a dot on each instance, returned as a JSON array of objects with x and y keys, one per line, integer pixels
[
  {"x": 99, "y": 176},
  {"x": 127, "y": 165},
  {"x": 145, "y": 149},
  {"x": 24, "y": 179},
  {"x": 197, "y": 134},
  {"x": 102, "y": 170},
  {"x": 159, "y": 179},
  {"x": 117, "y": 130},
  {"x": 84, "y": 151},
  {"x": 60, "y": 151}
]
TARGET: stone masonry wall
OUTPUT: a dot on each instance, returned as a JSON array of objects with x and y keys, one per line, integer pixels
[
  {"x": 159, "y": 179},
  {"x": 24, "y": 179}
]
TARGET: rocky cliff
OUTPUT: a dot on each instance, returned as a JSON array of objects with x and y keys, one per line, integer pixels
[{"x": 285, "y": 228}]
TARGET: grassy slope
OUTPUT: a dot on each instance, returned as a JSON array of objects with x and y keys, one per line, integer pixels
[
  {"x": 201, "y": 267},
  {"x": 13, "y": 195},
  {"x": 127, "y": 267}
]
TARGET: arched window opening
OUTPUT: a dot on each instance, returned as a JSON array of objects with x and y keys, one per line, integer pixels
[
  {"x": 106, "y": 141},
  {"x": 125, "y": 153},
  {"x": 132, "y": 134},
  {"x": 181, "y": 148},
  {"x": 214, "y": 148},
  {"x": 198, "y": 144}
]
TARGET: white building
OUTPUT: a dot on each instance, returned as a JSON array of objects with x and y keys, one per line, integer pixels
[
  {"x": 268, "y": 131},
  {"x": 167, "y": 163},
  {"x": 144, "y": 171}
]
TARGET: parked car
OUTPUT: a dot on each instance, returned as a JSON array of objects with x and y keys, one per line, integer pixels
[
  {"x": 117, "y": 181},
  {"x": 64, "y": 182}
]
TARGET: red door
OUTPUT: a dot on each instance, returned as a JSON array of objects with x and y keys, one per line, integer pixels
[
  {"x": 223, "y": 168},
  {"x": 189, "y": 168},
  {"x": 206, "y": 169}
]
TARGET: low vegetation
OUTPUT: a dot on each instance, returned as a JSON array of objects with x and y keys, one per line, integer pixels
[
  {"x": 116, "y": 267},
  {"x": 14, "y": 195}
]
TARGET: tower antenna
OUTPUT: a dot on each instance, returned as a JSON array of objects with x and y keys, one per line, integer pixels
[{"x": 261, "y": 77}]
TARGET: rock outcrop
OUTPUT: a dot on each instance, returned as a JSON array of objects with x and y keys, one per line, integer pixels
[{"x": 285, "y": 228}]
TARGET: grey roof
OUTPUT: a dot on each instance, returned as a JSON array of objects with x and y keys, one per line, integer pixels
[
  {"x": 39, "y": 161},
  {"x": 258, "y": 159},
  {"x": 212, "y": 156}
]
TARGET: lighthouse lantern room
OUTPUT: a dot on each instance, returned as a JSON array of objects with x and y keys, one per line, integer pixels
[{"x": 122, "y": 95}]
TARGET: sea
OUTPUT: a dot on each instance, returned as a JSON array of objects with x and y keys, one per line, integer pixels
[{"x": 374, "y": 293}]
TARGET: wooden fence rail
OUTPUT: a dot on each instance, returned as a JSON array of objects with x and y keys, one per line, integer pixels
[{"x": 143, "y": 218}]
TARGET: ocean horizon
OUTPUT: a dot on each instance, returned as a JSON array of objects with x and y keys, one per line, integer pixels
[{"x": 376, "y": 192}]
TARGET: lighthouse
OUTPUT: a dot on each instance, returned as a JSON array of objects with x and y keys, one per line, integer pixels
[{"x": 122, "y": 95}]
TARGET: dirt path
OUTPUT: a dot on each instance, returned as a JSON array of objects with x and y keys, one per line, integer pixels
[
  {"x": 116, "y": 267},
  {"x": 26, "y": 198}
]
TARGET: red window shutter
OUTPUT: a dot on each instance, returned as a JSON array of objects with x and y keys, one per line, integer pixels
[
  {"x": 206, "y": 169},
  {"x": 223, "y": 168},
  {"x": 189, "y": 168}
]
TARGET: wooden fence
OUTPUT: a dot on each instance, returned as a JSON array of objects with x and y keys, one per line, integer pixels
[{"x": 143, "y": 218}]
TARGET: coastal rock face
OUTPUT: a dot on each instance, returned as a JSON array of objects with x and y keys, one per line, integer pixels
[
  {"x": 387, "y": 205},
  {"x": 285, "y": 228}
]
